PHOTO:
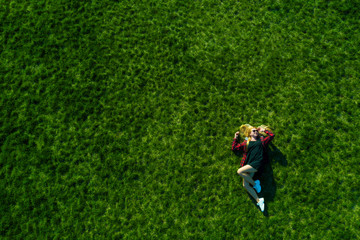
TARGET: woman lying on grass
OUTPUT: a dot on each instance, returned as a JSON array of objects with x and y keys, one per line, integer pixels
[{"x": 254, "y": 157}]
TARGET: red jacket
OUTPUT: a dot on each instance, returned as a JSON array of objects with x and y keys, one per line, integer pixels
[{"x": 241, "y": 147}]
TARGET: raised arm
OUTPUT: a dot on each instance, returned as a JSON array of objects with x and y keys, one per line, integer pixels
[
  {"x": 269, "y": 138},
  {"x": 238, "y": 146}
]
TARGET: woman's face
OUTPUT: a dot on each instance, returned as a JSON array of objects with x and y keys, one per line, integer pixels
[{"x": 254, "y": 133}]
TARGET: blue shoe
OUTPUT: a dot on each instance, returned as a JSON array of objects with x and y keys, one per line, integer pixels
[{"x": 257, "y": 186}]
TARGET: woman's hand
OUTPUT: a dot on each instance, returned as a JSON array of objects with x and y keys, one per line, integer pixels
[
  {"x": 261, "y": 129},
  {"x": 237, "y": 135}
]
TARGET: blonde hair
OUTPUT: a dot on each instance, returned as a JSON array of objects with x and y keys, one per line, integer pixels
[{"x": 245, "y": 129}]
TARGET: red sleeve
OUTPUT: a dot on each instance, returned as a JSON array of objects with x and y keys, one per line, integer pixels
[
  {"x": 269, "y": 138},
  {"x": 238, "y": 146}
]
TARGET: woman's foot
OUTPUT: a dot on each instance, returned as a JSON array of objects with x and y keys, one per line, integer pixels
[
  {"x": 261, "y": 204},
  {"x": 257, "y": 186}
]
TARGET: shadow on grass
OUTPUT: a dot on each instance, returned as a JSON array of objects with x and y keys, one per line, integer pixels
[{"x": 266, "y": 176}]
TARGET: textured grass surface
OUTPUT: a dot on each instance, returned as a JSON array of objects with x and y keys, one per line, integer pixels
[{"x": 117, "y": 118}]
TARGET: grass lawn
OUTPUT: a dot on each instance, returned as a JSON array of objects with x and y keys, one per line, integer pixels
[{"x": 117, "y": 118}]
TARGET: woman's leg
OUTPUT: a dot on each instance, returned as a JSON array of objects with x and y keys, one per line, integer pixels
[
  {"x": 244, "y": 173},
  {"x": 250, "y": 190},
  {"x": 247, "y": 172}
]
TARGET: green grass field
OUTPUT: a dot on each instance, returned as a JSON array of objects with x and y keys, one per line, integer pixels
[{"x": 117, "y": 118}]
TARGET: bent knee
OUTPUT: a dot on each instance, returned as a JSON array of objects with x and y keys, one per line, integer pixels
[{"x": 240, "y": 171}]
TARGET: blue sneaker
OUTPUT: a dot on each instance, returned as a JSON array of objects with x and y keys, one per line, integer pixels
[{"x": 257, "y": 186}]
